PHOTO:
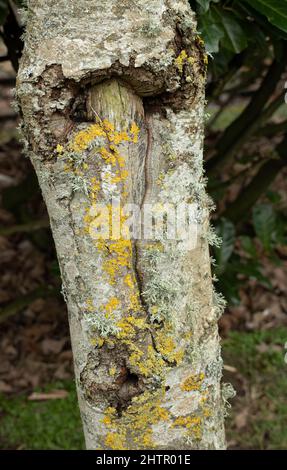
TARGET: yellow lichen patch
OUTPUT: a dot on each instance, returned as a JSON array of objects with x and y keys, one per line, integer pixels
[
  {"x": 118, "y": 177},
  {"x": 129, "y": 326},
  {"x": 116, "y": 246},
  {"x": 199, "y": 40},
  {"x": 136, "y": 422},
  {"x": 135, "y": 132},
  {"x": 184, "y": 60},
  {"x": 203, "y": 398},
  {"x": 89, "y": 305},
  {"x": 206, "y": 412},
  {"x": 149, "y": 363},
  {"x": 166, "y": 345},
  {"x": 181, "y": 60},
  {"x": 192, "y": 424},
  {"x": 193, "y": 382},
  {"x": 112, "y": 305},
  {"x": 188, "y": 335},
  {"x": 95, "y": 188},
  {"x": 106, "y": 420},
  {"x": 191, "y": 60},
  {"x": 143, "y": 358},
  {"x": 160, "y": 179},
  {"x": 135, "y": 303},
  {"x": 111, "y": 411},
  {"x": 118, "y": 137},
  {"x": 112, "y": 371},
  {"x": 121, "y": 136},
  {"x": 83, "y": 138},
  {"x": 154, "y": 309},
  {"x": 109, "y": 157},
  {"x": 115, "y": 441},
  {"x": 98, "y": 342},
  {"x": 119, "y": 158},
  {"x": 59, "y": 148},
  {"x": 119, "y": 257},
  {"x": 108, "y": 126},
  {"x": 128, "y": 281},
  {"x": 187, "y": 421}
]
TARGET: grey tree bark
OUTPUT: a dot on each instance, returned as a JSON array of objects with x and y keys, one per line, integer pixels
[{"x": 112, "y": 98}]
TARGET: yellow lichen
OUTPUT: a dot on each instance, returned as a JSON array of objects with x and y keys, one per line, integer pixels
[
  {"x": 59, "y": 148},
  {"x": 112, "y": 371},
  {"x": 83, "y": 138},
  {"x": 135, "y": 131},
  {"x": 111, "y": 305},
  {"x": 187, "y": 421},
  {"x": 166, "y": 345},
  {"x": 135, "y": 303},
  {"x": 128, "y": 281},
  {"x": 115, "y": 441},
  {"x": 181, "y": 60},
  {"x": 148, "y": 363},
  {"x": 193, "y": 382},
  {"x": 119, "y": 257},
  {"x": 192, "y": 424},
  {"x": 136, "y": 422},
  {"x": 199, "y": 40},
  {"x": 98, "y": 342},
  {"x": 129, "y": 327}
]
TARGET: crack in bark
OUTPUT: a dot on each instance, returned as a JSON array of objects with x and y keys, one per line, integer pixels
[{"x": 147, "y": 190}]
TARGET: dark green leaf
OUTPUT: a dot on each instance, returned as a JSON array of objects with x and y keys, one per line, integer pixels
[
  {"x": 274, "y": 197},
  {"x": 234, "y": 38},
  {"x": 274, "y": 10},
  {"x": 204, "y": 4},
  {"x": 211, "y": 32},
  {"x": 248, "y": 246},
  {"x": 219, "y": 26},
  {"x": 264, "y": 221}
]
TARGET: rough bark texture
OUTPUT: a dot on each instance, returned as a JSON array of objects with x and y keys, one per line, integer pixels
[{"x": 112, "y": 97}]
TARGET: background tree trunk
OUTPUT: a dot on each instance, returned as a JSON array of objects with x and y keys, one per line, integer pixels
[{"x": 112, "y": 97}]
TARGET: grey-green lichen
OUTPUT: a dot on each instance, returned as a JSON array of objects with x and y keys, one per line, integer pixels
[{"x": 227, "y": 392}]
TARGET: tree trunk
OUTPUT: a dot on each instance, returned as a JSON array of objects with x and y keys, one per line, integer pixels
[{"x": 112, "y": 98}]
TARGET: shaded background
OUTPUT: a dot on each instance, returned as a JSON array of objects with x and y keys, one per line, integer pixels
[{"x": 246, "y": 122}]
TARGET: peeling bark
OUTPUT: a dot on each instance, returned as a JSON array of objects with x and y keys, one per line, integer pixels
[{"x": 112, "y": 97}]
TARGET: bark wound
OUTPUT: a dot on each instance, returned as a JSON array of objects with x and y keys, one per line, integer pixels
[{"x": 116, "y": 102}]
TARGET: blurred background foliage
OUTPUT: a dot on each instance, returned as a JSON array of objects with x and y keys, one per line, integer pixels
[
  {"x": 245, "y": 153},
  {"x": 246, "y": 42}
]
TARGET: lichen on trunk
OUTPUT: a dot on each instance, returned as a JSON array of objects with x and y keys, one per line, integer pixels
[{"x": 112, "y": 97}]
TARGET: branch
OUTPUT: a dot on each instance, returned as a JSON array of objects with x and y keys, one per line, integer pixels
[
  {"x": 272, "y": 129},
  {"x": 28, "y": 227},
  {"x": 239, "y": 130},
  {"x": 238, "y": 210},
  {"x": 12, "y": 34}
]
